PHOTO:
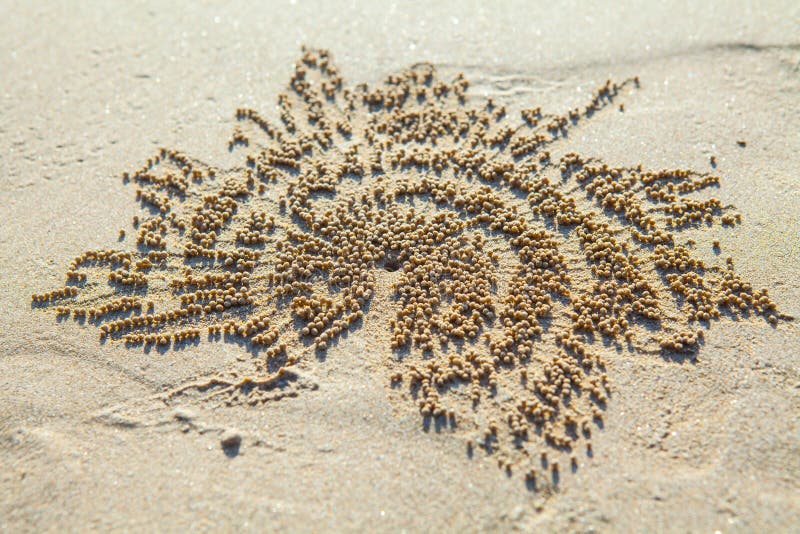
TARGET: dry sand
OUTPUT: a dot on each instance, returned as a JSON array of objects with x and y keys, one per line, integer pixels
[{"x": 90, "y": 91}]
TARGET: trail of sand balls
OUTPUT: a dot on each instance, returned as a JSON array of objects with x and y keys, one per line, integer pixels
[{"x": 411, "y": 180}]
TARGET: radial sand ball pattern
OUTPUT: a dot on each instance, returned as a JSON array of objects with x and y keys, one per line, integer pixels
[{"x": 516, "y": 266}]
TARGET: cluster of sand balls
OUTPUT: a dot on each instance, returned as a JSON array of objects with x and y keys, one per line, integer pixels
[
  {"x": 257, "y": 230},
  {"x": 60, "y": 293},
  {"x": 504, "y": 281}
]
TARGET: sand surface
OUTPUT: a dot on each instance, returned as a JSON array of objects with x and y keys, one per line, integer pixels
[{"x": 705, "y": 442}]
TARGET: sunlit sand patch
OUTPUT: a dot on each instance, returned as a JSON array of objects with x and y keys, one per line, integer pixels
[{"x": 516, "y": 266}]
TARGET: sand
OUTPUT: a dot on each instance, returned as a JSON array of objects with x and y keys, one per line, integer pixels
[{"x": 702, "y": 443}]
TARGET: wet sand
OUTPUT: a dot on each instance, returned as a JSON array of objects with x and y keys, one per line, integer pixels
[{"x": 705, "y": 443}]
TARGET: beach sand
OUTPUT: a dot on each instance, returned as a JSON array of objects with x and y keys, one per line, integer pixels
[{"x": 704, "y": 443}]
